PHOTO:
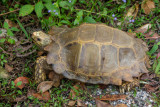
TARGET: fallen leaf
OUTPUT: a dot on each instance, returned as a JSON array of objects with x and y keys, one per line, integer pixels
[
  {"x": 143, "y": 28},
  {"x": 44, "y": 86},
  {"x": 150, "y": 88},
  {"x": 18, "y": 99},
  {"x": 30, "y": 92},
  {"x": 42, "y": 96},
  {"x": 151, "y": 35},
  {"x": 10, "y": 23},
  {"x": 3, "y": 73},
  {"x": 121, "y": 105},
  {"x": 71, "y": 103},
  {"x": 148, "y": 35},
  {"x": 80, "y": 103},
  {"x": 23, "y": 80},
  {"x": 55, "y": 78},
  {"x": 132, "y": 12},
  {"x": 112, "y": 97},
  {"x": 158, "y": 55},
  {"x": 147, "y": 6},
  {"x": 102, "y": 104},
  {"x": 8, "y": 68}
]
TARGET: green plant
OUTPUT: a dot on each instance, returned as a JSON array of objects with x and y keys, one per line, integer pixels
[
  {"x": 3, "y": 59},
  {"x": 9, "y": 33}
]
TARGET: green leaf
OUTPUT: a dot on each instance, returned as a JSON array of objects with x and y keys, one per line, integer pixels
[
  {"x": 11, "y": 41},
  {"x": 65, "y": 22},
  {"x": 38, "y": 9},
  {"x": 0, "y": 32},
  {"x": 19, "y": 83},
  {"x": 2, "y": 40},
  {"x": 12, "y": 83},
  {"x": 48, "y": 1},
  {"x": 89, "y": 19},
  {"x": 154, "y": 49},
  {"x": 19, "y": 92},
  {"x": 26, "y": 9},
  {"x": 104, "y": 12},
  {"x": 157, "y": 71},
  {"x": 73, "y": 2},
  {"x": 6, "y": 26},
  {"x": 2, "y": 56},
  {"x": 14, "y": 29},
  {"x": 80, "y": 13},
  {"x": 158, "y": 43},
  {"x": 25, "y": 32},
  {"x": 79, "y": 17},
  {"x": 9, "y": 32},
  {"x": 65, "y": 4},
  {"x": 154, "y": 64}
]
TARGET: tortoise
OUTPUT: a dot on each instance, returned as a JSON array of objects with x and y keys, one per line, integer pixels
[{"x": 91, "y": 53}]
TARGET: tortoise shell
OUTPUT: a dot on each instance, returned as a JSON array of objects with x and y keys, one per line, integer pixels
[{"x": 97, "y": 54}]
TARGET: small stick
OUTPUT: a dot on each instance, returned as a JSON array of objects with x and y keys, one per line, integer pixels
[
  {"x": 5, "y": 51},
  {"x": 9, "y": 12},
  {"x": 27, "y": 54}
]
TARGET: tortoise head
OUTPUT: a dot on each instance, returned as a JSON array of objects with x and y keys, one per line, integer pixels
[{"x": 41, "y": 38}]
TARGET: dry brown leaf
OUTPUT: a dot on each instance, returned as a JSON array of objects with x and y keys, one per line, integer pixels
[
  {"x": 24, "y": 81},
  {"x": 55, "y": 78},
  {"x": 102, "y": 104},
  {"x": 10, "y": 23},
  {"x": 3, "y": 73},
  {"x": 44, "y": 86},
  {"x": 158, "y": 55},
  {"x": 30, "y": 92},
  {"x": 121, "y": 105},
  {"x": 8, "y": 68},
  {"x": 150, "y": 88},
  {"x": 112, "y": 97},
  {"x": 151, "y": 35},
  {"x": 80, "y": 103},
  {"x": 132, "y": 12},
  {"x": 147, "y": 6},
  {"x": 144, "y": 28},
  {"x": 42, "y": 96},
  {"x": 71, "y": 103},
  {"x": 18, "y": 99}
]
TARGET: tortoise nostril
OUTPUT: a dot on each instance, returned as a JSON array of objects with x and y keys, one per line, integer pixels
[{"x": 38, "y": 39}]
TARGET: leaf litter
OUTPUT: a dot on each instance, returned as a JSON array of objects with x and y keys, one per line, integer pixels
[{"x": 147, "y": 6}]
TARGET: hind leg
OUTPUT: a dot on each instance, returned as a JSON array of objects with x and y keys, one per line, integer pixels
[{"x": 127, "y": 86}]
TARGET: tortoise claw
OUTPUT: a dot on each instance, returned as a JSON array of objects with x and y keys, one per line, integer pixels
[{"x": 127, "y": 86}]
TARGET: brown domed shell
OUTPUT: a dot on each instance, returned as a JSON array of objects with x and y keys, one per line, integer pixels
[{"x": 96, "y": 53}]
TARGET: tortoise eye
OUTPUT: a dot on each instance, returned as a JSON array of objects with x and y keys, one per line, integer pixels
[{"x": 38, "y": 39}]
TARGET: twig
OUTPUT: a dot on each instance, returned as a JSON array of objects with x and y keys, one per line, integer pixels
[
  {"x": 5, "y": 51},
  {"x": 29, "y": 24},
  {"x": 26, "y": 48},
  {"x": 27, "y": 54},
  {"x": 9, "y": 12}
]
